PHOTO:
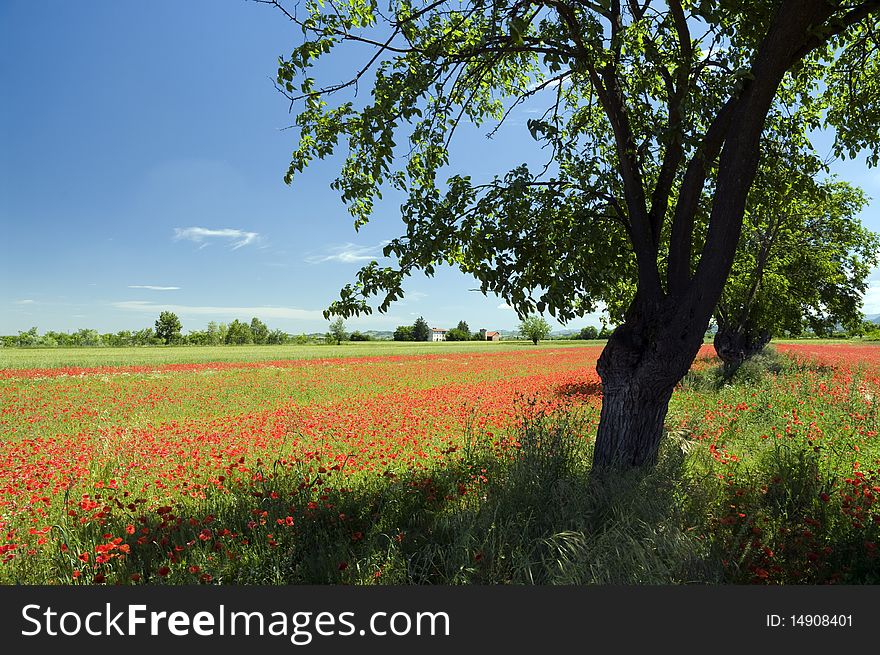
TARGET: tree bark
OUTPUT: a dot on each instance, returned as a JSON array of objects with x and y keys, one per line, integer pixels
[
  {"x": 652, "y": 350},
  {"x": 736, "y": 344},
  {"x": 641, "y": 364}
]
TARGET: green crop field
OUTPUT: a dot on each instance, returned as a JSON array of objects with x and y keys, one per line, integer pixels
[
  {"x": 158, "y": 355},
  {"x": 385, "y": 463}
]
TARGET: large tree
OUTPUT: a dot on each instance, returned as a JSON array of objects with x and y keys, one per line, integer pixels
[
  {"x": 803, "y": 261},
  {"x": 534, "y": 328},
  {"x": 259, "y": 330},
  {"x": 239, "y": 333},
  {"x": 168, "y": 327},
  {"x": 403, "y": 333},
  {"x": 337, "y": 331},
  {"x": 654, "y": 114},
  {"x": 420, "y": 330}
]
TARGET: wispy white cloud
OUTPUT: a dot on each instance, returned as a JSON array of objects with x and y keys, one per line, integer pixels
[
  {"x": 152, "y": 287},
  {"x": 26, "y": 301},
  {"x": 504, "y": 305},
  {"x": 348, "y": 253},
  {"x": 416, "y": 295},
  {"x": 203, "y": 235}
]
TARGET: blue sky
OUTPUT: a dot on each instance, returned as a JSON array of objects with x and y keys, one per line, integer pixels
[{"x": 141, "y": 163}]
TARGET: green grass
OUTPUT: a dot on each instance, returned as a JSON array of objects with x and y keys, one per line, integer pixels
[
  {"x": 19, "y": 358},
  {"x": 769, "y": 477}
]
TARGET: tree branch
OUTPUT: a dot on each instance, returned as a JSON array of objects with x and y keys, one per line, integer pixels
[
  {"x": 674, "y": 151},
  {"x": 681, "y": 241},
  {"x": 787, "y": 35},
  {"x": 856, "y": 14}
]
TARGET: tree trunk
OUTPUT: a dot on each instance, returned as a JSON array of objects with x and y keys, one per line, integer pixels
[
  {"x": 644, "y": 359},
  {"x": 631, "y": 425},
  {"x": 736, "y": 344}
]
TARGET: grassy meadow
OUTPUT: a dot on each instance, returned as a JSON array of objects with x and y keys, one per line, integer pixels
[
  {"x": 429, "y": 464},
  {"x": 21, "y": 358}
]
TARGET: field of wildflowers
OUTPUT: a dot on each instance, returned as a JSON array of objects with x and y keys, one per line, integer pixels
[{"x": 451, "y": 467}]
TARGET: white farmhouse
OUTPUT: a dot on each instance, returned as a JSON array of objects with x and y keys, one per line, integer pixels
[{"x": 438, "y": 334}]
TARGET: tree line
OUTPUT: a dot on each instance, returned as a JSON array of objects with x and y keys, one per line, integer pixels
[{"x": 167, "y": 330}]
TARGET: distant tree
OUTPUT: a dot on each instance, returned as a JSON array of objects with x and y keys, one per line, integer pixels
[
  {"x": 604, "y": 333},
  {"x": 587, "y": 333},
  {"x": 198, "y": 338},
  {"x": 403, "y": 333},
  {"x": 28, "y": 338},
  {"x": 121, "y": 339},
  {"x": 337, "y": 331},
  {"x": 239, "y": 333},
  {"x": 259, "y": 331},
  {"x": 463, "y": 326},
  {"x": 145, "y": 337},
  {"x": 803, "y": 261},
  {"x": 359, "y": 336},
  {"x": 457, "y": 334},
  {"x": 89, "y": 337},
  {"x": 534, "y": 328},
  {"x": 168, "y": 327},
  {"x": 420, "y": 330},
  {"x": 216, "y": 333},
  {"x": 277, "y": 338},
  {"x": 864, "y": 327}
]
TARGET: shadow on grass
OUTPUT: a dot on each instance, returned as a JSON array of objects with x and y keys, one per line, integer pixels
[
  {"x": 767, "y": 363},
  {"x": 579, "y": 390},
  {"x": 794, "y": 519},
  {"x": 526, "y": 513}
]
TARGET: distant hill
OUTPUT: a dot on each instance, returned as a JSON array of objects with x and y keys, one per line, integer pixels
[{"x": 874, "y": 318}]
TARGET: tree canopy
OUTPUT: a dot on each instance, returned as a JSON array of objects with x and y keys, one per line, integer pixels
[
  {"x": 168, "y": 327},
  {"x": 259, "y": 330},
  {"x": 651, "y": 120},
  {"x": 239, "y": 333},
  {"x": 457, "y": 334},
  {"x": 337, "y": 331},
  {"x": 420, "y": 330},
  {"x": 803, "y": 262},
  {"x": 638, "y": 96},
  {"x": 403, "y": 333},
  {"x": 534, "y": 328}
]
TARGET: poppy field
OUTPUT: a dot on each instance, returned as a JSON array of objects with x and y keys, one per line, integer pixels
[{"x": 435, "y": 467}]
